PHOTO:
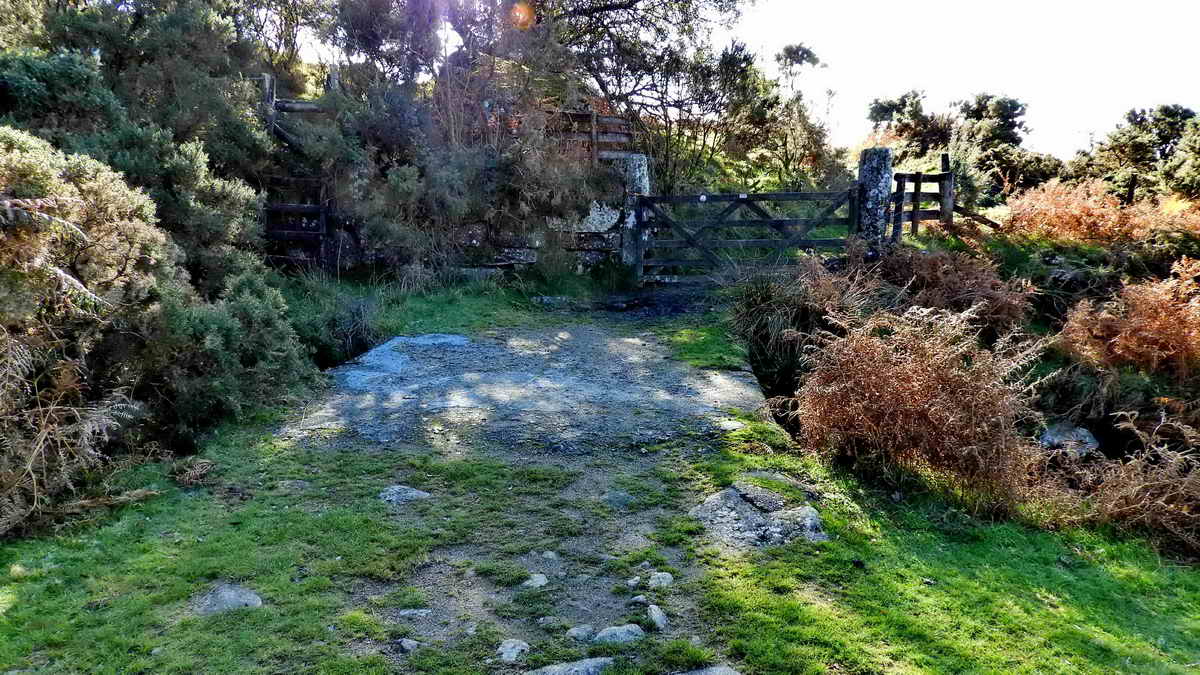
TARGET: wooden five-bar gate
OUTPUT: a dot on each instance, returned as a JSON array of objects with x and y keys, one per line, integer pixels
[{"x": 672, "y": 236}]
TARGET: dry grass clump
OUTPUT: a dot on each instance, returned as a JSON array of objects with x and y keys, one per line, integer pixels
[
  {"x": 916, "y": 393},
  {"x": 779, "y": 316},
  {"x": 1154, "y": 491},
  {"x": 1087, "y": 212},
  {"x": 1153, "y": 326},
  {"x": 958, "y": 282}
]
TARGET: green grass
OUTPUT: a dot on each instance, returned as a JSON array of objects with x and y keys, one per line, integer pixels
[
  {"x": 934, "y": 589},
  {"x": 939, "y": 591},
  {"x": 100, "y": 597},
  {"x": 703, "y": 341},
  {"x": 502, "y": 572}
]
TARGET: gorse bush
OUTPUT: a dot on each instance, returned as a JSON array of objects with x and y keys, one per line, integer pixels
[
  {"x": 77, "y": 249},
  {"x": 915, "y": 393},
  {"x": 64, "y": 98},
  {"x": 1153, "y": 326},
  {"x": 104, "y": 347}
]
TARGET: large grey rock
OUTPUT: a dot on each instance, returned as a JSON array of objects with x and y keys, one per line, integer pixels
[
  {"x": 713, "y": 670},
  {"x": 585, "y": 667},
  {"x": 511, "y": 650},
  {"x": 402, "y": 494},
  {"x": 616, "y": 635},
  {"x": 224, "y": 597},
  {"x": 535, "y": 581},
  {"x": 1076, "y": 442},
  {"x": 408, "y": 645},
  {"x": 761, "y": 497},
  {"x": 660, "y": 580},
  {"x": 658, "y": 617},
  {"x": 582, "y": 633},
  {"x": 732, "y": 519}
]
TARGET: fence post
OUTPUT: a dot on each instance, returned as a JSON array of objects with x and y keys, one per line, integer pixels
[
  {"x": 918, "y": 180},
  {"x": 898, "y": 210},
  {"x": 947, "y": 195},
  {"x": 631, "y": 240},
  {"x": 874, "y": 191}
]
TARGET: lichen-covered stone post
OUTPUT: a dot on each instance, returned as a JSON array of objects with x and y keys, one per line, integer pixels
[
  {"x": 635, "y": 171},
  {"x": 875, "y": 191}
]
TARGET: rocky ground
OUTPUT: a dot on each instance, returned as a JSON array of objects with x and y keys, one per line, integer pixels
[{"x": 599, "y": 400}]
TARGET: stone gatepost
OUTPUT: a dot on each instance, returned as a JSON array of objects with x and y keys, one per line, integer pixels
[{"x": 875, "y": 192}]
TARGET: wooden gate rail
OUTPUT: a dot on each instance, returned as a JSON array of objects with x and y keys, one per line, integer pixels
[
  {"x": 901, "y": 197},
  {"x": 698, "y": 234}
]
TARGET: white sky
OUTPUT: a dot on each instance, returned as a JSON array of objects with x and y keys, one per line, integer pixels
[{"x": 1078, "y": 64}]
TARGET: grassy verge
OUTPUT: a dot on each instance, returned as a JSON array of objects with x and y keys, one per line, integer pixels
[{"x": 918, "y": 585}]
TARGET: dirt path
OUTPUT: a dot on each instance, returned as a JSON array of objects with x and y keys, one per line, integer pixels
[{"x": 595, "y": 399}]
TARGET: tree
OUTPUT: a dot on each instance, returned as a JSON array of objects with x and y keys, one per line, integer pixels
[
  {"x": 904, "y": 118},
  {"x": 701, "y": 106},
  {"x": 983, "y": 134},
  {"x": 1181, "y": 171},
  {"x": 1134, "y": 158}
]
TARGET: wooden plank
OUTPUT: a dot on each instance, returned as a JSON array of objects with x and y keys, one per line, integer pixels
[
  {"x": 855, "y": 199},
  {"x": 915, "y": 219},
  {"x": 595, "y": 144},
  {"x": 587, "y": 114},
  {"x": 686, "y": 234},
  {"x": 786, "y": 228},
  {"x": 773, "y": 222},
  {"x": 598, "y": 137},
  {"x": 947, "y": 198},
  {"x": 982, "y": 220},
  {"x": 773, "y": 260},
  {"x": 898, "y": 207},
  {"x": 925, "y": 197},
  {"x": 737, "y": 243},
  {"x": 825, "y": 215},
  {"x": 926, "y": 214},
  {"x": 759, "y": 197},
  {"x": 926, "y": 177},
  {"x": 279, "y": 207},
  {"x": 636, "y": 248},
  {"x": 295, "y": 106},
  {"x": 293, "y": 235}
]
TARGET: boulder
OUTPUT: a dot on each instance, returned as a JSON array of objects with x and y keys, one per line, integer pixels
[
  {"x": 618, "y": 635},
  {"x": 713, "y": 670},
  {"x": 585, "y": 667},
  {"x": 658, "y": 617},
  {"x": 535, "y": 581},
  {"x": 660, "y": 580},
  {"x": 224, "y": 597},
  {"x": 1075, "y": 442},
  {"x": 511, "y": 650},
  {"x": 735, "y": 520},
  {"x": 408, "y": 645},
  {"x": 582, "y": 633},
  {"x": 402, "y": 494},
  {"x": 760, "y": 497}
]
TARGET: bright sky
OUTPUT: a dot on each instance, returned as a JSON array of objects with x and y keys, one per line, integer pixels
[{"x": 1078, "y": 64}]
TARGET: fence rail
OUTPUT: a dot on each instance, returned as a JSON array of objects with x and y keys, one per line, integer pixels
[{"x": 661, "y": 240}]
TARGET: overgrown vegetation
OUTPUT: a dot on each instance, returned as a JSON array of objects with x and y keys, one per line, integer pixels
[{"x": 953, "y": 399}]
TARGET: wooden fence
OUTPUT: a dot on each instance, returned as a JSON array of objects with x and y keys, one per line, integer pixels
[
  {"x": 663, "y": 239},
  {"x": 918, "y": 197}
]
